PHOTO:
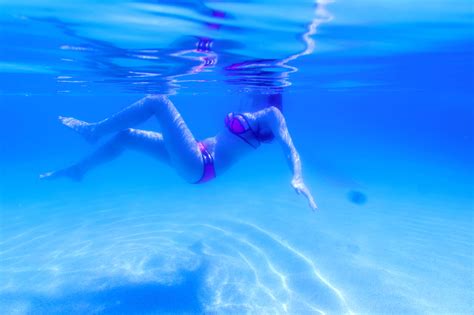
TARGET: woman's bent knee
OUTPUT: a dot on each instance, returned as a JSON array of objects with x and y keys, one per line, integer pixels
[
  {"x": 156, "y": 99},
  {"x": 124, "y": 135},
  {"x": 155, "y": 102}
]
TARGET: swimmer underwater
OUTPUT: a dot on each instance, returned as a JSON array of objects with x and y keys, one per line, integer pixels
[{"x": 195, "y": 161}]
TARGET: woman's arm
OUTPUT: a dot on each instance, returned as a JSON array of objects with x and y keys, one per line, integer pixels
[{"x": 276, "y": 121}]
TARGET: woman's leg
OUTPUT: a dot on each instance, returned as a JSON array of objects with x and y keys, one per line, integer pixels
[
  {"x": 147, "y": 142},
  {"x": 180, "y": 143},
  {"x": 128, "y": 117},
  {"x": 178, "y": 140}
]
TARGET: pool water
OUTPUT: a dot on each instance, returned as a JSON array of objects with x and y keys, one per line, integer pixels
[{"x": 379, "y": 103}]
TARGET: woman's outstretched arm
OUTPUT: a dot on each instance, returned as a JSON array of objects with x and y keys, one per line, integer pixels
[{"x": 275, "y": 119}]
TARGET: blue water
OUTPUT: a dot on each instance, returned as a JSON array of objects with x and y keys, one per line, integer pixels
[{"x": 378, "y": 99}]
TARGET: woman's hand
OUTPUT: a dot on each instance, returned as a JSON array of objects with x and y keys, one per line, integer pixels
[{"x": 300, "y": 188}]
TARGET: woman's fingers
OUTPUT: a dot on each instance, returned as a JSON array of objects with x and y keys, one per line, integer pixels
[
  {"x": 301, "y": 188},
  {"x": 305, "y": 191},
  {"x": 310, "y": 198},
  {"x": 313, "y": 204}
]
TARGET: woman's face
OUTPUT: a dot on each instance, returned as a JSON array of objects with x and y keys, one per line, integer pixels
[{"x": 256, "y": 102}]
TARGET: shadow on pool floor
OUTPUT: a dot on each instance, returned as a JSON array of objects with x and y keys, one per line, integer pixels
[{"x": 132, "y": 298}]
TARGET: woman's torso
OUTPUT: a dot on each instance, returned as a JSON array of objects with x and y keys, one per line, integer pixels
[{"x": 227, "y": 147}]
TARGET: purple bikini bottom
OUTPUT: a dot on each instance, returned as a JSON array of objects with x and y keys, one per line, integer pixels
[{"x": 208, "y": 172}]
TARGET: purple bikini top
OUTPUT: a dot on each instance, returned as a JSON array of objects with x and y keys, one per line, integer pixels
[{"x": 239, "y": 126}]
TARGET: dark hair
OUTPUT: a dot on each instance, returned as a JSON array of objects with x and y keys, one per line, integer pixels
[
  {"x": 276, "y": 100},
  {"x": 256, "y": 102}
]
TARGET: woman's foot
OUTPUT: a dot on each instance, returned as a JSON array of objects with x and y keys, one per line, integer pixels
[
  {"x": 83, "y": 128},
  {"x": 72, "y": 172}
]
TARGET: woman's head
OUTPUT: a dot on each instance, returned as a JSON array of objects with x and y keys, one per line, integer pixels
[
  {"x": 256, "y": 102},
  {"x": 276, "y": 100}
]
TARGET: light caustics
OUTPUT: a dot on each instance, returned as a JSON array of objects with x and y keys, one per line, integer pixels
[{"x": 249, "y": 268}]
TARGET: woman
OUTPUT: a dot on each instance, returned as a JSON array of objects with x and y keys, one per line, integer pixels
[{"x": 196, "y": 161}]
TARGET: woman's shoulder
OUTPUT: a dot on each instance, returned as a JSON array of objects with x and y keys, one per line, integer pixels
[{"x": 266, "y": 114}]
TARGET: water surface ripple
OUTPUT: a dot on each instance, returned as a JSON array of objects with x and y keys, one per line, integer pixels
[{"x": 148, "y": 46}]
